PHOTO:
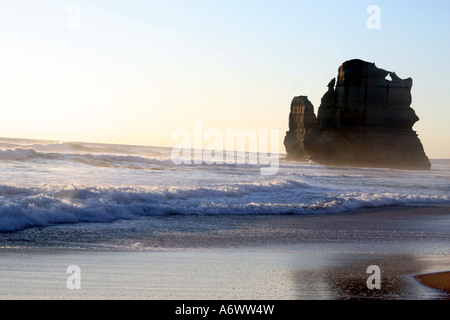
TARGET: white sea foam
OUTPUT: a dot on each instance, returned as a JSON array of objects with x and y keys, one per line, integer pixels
[
  {"x": 79, "y": 153},
  {"x": 23, "y": 154},
  {"x": 23, "y": 207},
  {"x": 46, "y": 183}
]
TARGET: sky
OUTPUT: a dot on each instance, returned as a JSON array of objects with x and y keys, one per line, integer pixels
[{"x": 133, "y": 72}]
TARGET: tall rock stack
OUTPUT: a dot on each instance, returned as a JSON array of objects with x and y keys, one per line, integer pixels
[
  {"x": 302, "y": 121},
  {"x": 364, "y": 119}
]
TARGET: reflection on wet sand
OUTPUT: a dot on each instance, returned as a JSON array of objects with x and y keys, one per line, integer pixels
[{"x": 346, "y": 277}]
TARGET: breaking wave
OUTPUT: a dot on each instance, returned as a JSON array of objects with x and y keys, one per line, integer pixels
[
  {"x": 23, "y": 154},
  {"x": 78, "y": 154},
  {"x": 47, "y": 183},
  {"x": 25, "y": 207}
]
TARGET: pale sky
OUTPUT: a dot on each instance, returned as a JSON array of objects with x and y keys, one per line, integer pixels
[{"x": 133, "y": 72}]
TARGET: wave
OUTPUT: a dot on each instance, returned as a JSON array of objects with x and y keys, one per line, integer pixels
[
  {"x": 79, "y": 147},
  {"x": 43, "y": 146},
  {"x": 23, "y": 154},
  {"x": 18, "y": 154},
  {"x": 26, "y": 207},
  {"x": 130, "y": 161}
]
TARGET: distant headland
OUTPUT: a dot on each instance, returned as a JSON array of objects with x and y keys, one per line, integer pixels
[{"x": 364, "y": 119}]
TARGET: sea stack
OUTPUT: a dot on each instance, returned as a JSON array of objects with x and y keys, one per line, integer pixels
[{"x": 364, "y": 119}]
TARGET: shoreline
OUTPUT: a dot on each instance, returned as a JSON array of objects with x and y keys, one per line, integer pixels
[
  {"x": 233, "y": 257},
  {"x": 377, "y": 218},
  {"x": 438, "y": 280}
]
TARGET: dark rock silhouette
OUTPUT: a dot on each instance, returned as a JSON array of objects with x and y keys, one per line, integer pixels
[
  {"x": 364, "y": 119},
  {"x": 302, "y": 121}
]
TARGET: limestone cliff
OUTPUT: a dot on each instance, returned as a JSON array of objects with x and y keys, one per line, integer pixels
[{"x": 364, "y": 119}]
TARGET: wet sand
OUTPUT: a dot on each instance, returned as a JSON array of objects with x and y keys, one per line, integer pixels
[{"x": 234, "y": 257}]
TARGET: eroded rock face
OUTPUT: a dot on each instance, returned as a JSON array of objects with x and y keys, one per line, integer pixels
[
  {"x": 302, "y": 121},
  {"x": 364, "y": 119}
]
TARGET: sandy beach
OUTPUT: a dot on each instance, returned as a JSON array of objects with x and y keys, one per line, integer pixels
[
  {"x": 172, "y": 151},
  {"x": 438, "y": 280},
  {"x": 233, "y": 257}
]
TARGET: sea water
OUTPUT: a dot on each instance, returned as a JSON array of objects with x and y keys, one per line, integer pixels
[{"x": 47, "y": 183}]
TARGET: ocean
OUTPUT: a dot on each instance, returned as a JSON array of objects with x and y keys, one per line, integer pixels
[{"x": 50, "y": 183}]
